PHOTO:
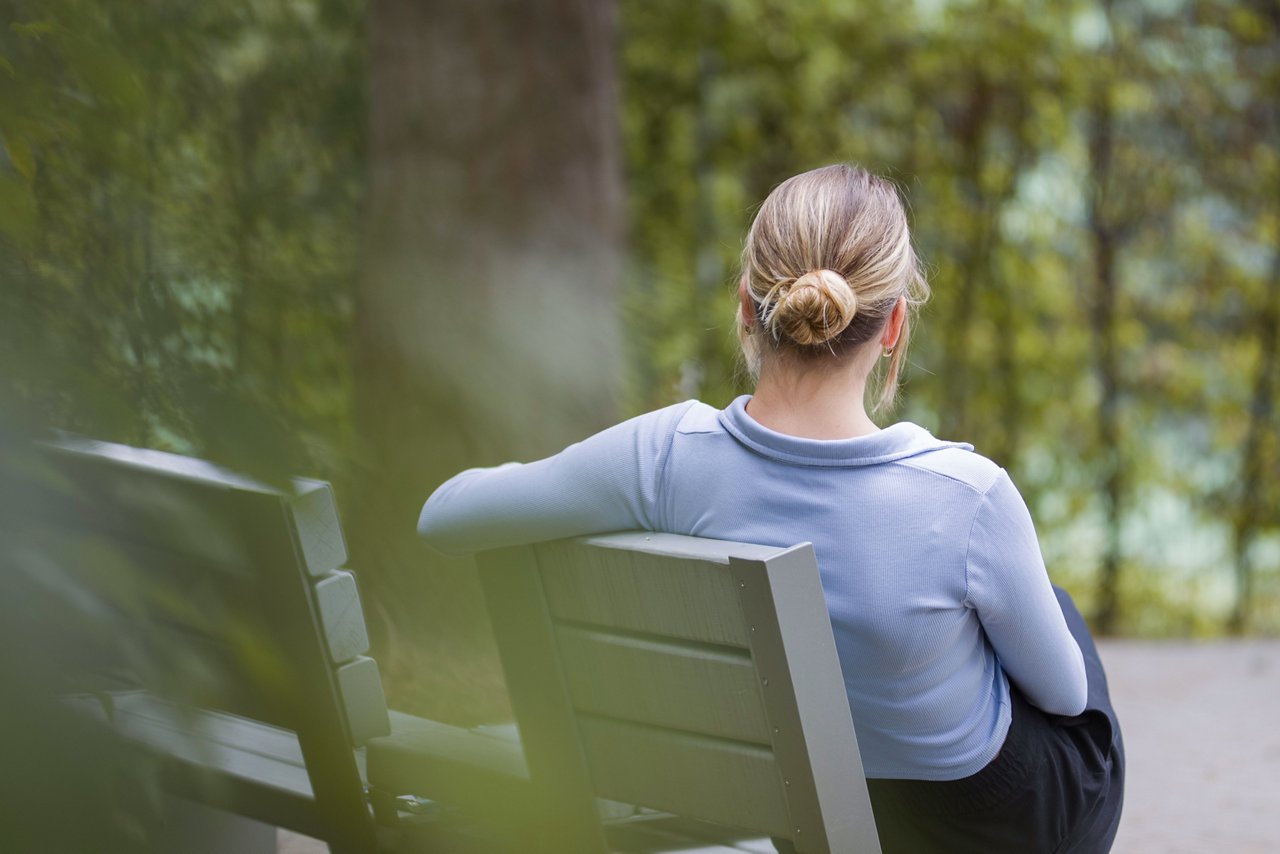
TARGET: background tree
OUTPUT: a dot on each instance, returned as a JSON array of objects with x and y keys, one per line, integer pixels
[
  {"x": 486, "y": 308},
  {"x": 175, "y": 273},
  {"x": 379, "y": 242}
]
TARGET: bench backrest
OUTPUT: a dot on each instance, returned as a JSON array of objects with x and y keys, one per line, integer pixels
[
  {"x": 222, "y": 592},
  {"x": 687, "y": 675}
]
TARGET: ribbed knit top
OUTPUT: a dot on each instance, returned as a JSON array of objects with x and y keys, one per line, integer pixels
[{"x": 929, "y": 560}]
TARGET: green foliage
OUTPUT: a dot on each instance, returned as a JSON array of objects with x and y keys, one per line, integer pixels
[
  {"x": 1045, "y": 149},
  {"x": 179, "y": 222},
  {"x": 181, "y": 196}
]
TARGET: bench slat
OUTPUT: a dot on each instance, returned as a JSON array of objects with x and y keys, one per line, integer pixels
[
  {"x": 315, "y": 517},
  {"x": 188, "y": 506},
  {"x": 682, "y": 685},
  {"x": 225, "y": 729},
  {"x": 223, "y": 522},
  {"x": 168, "y": 612},
  {"x": 729, "y": 782},
  {"x": 453, "y": 765},
  {"x": 338, "y": 602},
  {"x": 632, "y": 590},
  {"x": 366, "y": 706},
  {"x": 241, "y": 765}
]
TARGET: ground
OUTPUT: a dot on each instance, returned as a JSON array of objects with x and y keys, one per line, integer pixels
[{"x": 1201, "y": 724}]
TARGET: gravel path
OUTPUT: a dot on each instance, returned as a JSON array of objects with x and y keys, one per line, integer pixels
[{"x": 1201, "y": 724}]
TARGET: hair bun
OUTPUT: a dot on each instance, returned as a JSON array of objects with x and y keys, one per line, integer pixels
[{"x": 815, "y": 308}]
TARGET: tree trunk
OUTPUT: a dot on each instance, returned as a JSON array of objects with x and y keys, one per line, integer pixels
[
  {"x": 1250, "y": 513},
  {"x": 708, "y": 267},
  {"x": 485, "y": 317},
  {"x": 1006, "y": 437},
  {"x": 1103, "y": 234},
  {"x": 956, "y": 342}
]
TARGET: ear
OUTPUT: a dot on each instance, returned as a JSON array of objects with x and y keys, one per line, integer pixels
[
  {"x": 893, "y": 329},
  {"x": 746, "y": 303}
]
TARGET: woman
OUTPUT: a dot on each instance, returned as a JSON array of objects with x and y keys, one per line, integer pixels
[{"x": 980, "y": 704}]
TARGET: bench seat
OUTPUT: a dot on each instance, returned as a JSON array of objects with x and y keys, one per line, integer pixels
[
  {"x": 455, "y": 766},
  {"x": 243, "y": 766},
  {"x": 484, "y": 769}
]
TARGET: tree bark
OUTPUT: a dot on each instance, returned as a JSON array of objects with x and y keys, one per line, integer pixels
[
  {"x": 485, "y": 324},
  {"x": 1251, "y": 512},
  {"x": 956, "y": 343},
  {"x": 1103, "y": 233}
]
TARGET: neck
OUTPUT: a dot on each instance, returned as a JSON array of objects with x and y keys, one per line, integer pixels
[{"x": 812, "y": 401}]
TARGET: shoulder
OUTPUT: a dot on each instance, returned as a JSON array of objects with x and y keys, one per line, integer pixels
[
  {"x": 958, "y": 464},
  {"x": 652, "y": 433},
  {"x": 665, "y": 421},
  {"x": 697, "y": 417},
  {"x": 690, "y": 416}
]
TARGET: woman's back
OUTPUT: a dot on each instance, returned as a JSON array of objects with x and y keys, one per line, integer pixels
[
  {"x": 902, "y": 526},
  {"x": 905, "y": 528}
]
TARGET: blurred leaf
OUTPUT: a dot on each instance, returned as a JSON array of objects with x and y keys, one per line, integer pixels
[
  {"x": 106, "y": 72},
  {"x": 20, "y": 156},
  {"x": 34, "y": 29},
  {"x": 18, "y": 215}
]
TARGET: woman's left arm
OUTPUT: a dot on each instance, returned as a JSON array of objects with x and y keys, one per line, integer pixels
[
  {"x": 1010, "y": 590},
  {"x": 607, "y": 482}
]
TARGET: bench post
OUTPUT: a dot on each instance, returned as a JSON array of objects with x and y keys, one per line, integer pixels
[
  {"x": 565, "y": 814},
  {"x": 808, "y": 711}
]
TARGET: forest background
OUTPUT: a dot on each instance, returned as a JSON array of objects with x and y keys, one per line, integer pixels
[{"x": 381, "y": 242}]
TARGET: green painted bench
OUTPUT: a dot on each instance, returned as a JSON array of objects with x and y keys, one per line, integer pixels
[
  {"x": 235, "y": 644},
  {"x": 690, "y": 677},
  {"x": 209, "y": 622},
  {"x": 691, "y": 683}
]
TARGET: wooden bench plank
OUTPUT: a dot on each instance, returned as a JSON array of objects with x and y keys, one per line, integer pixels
[
  {"x": 728, "y": 782},
  {"x": 338, "y": 602},
  {"x": 360, "y": 686},
  {"x": 668, "y": 834},
  {"x": 218, "y": 728},
  {"x": 632, "y": 590},
  {"x": 447, "y": 763},
  {"x": 315, "y": 517},
  {"x": 682, "y": 685},
  {"x": 193, "y": 508},
  {"x": 237, "y": 764}
]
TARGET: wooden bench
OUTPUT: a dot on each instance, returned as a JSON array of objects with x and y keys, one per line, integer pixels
[
  {"x": 686, "y": 676},
  {"x": 227, "y": 638},
  {"x": 208, "y": 621},
  {"x": 689, "y": 676}
]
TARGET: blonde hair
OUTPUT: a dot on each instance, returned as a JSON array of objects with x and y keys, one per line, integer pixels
[{"x": 826, "y": 259}]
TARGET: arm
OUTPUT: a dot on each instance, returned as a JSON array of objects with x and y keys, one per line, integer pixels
[
  {"x": 605, "y": 483},
  {"x": 1010, "y": 590}
]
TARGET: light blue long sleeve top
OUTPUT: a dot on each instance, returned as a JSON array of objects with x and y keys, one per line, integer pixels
[{"x": 929, "y": 560}]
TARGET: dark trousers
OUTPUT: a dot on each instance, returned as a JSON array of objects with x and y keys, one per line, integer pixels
[{"x": 1056, "y": 787}]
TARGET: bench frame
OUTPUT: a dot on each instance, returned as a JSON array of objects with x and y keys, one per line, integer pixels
[
  {"x": 290, "y": 544},
  {"x": 780, "y": 602},
  {"x": 139, "y": 508}
]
